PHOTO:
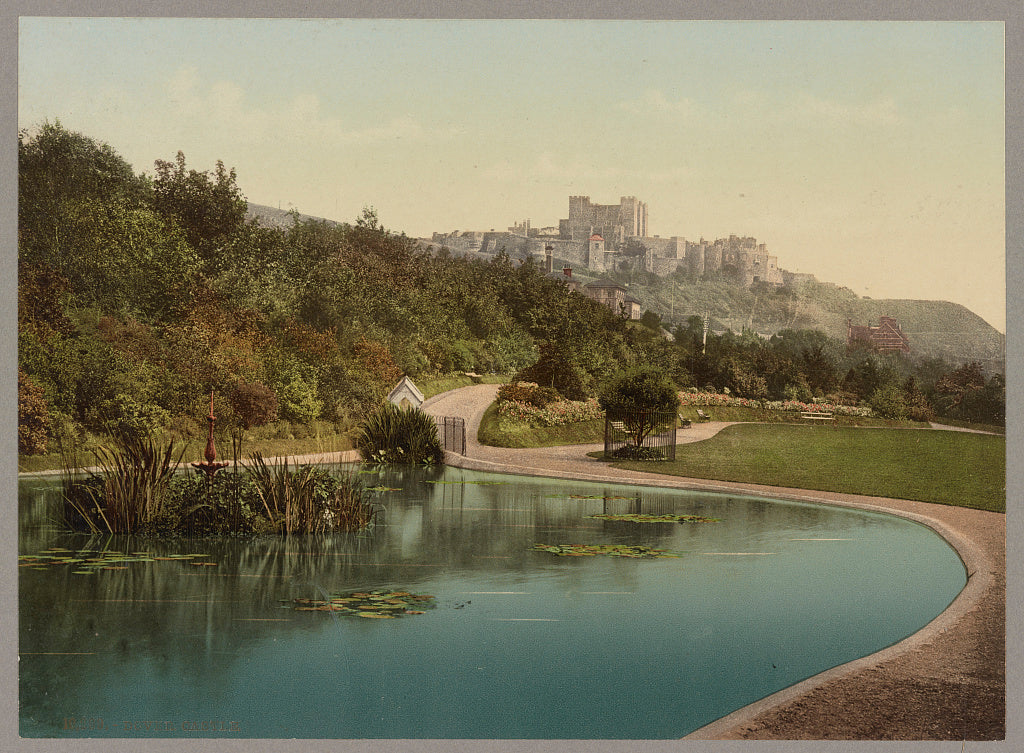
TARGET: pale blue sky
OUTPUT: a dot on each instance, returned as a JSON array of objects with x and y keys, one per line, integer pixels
[{"x": 868, "y": 153}]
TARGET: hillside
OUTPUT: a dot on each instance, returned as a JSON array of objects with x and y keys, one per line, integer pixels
[
  {"x": 280, "y": 218},
  {"x": 936, "y": 329}
]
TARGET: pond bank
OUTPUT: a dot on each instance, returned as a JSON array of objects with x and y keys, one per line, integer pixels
[{"x": 945, "y": 682}]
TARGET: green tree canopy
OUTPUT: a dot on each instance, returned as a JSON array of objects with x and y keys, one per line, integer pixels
[{"x": 639, "y": 398}]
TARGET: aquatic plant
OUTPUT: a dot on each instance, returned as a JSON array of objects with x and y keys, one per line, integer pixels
[
  {"x": 375, "y": 604},
  {"x": 399, "y": 435},
  {"x": 610, "y": 550},
  {"x": 129, "y": 488},
  {"x": 649, "y": 518},
  {"x": 309, "y": 499}
]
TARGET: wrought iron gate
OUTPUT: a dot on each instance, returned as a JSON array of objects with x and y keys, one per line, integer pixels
[{"x": 452, "y": 432}]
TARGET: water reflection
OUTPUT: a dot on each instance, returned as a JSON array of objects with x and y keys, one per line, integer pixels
[{"x": 521, "y": 644}]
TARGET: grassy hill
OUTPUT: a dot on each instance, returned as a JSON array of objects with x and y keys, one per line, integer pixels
[{"x": 935, "y": 328}]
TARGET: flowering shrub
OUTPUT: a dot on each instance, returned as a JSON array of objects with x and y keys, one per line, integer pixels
[
  {"x": 712, "y": 399},
  {"x": 554, "y": 414},
  {"x": 528, "y": 393}
]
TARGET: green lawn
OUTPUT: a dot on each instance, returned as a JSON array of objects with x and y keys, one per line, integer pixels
[
  {"x": 763, "y": 415},
  {"x": 436, "y": 385},
  {"x": 952, "y": 468},
  {"x": 501, "y": 431}
]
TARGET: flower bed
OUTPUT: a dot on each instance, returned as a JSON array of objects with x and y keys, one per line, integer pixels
[
  {"x": 712, "y": 399},
  {"x": 554, "y": 414}
]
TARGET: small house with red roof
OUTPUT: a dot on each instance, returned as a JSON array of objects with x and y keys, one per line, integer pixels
[{"x": 887, "y": 337}]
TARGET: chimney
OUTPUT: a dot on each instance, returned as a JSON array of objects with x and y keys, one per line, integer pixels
[{"x": 567, "y": 271}]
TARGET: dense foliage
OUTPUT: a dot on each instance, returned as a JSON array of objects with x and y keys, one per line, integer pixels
[
  {"x": 139, "y": 294},
  {"x": 399, "y": 435}
]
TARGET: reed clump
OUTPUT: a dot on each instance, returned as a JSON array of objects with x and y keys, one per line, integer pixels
[
  {"x": 134, "y": 489},
  {"x": 399, "y": 435},
  {"x": 307, "y": 499},
  {"x": 129, "y": 487}
]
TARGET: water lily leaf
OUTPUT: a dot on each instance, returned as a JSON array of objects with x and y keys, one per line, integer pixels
[
  {"x": 377, "y": 615},
  {"x": 611, "y": 550},
  {"x": 648, "y": 518}
]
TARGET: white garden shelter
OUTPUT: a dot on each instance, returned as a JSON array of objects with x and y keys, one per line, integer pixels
[{"x": 406, "y": 394}]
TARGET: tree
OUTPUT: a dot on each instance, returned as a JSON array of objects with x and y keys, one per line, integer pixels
[
  {"x": 557, "y": 369},
  {"x": 640, "y": 398},
  {"x": 210, "y": 209}
]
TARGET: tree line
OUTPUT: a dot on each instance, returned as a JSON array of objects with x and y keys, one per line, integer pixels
[{"x": 139, "y": 293}]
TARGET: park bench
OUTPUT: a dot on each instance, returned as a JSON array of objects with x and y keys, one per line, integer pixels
[
  {"x": 817, "y": 416},
  {"x": 684, "y": 423},
  {"x": 702, "y": 416}
]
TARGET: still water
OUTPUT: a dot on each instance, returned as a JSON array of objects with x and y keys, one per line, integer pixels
[{"x": 518, "y": 644}]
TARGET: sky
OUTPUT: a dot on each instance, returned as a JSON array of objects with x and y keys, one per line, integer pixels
[{"x": 868, "y": 153}]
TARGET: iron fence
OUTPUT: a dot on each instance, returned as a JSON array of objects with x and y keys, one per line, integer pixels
[
  {"x": 656, "y": 431},
  {"x": 452, "y": 432}
]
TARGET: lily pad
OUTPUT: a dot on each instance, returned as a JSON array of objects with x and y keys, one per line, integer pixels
[
  {"x": 609, "y": 550},
  {"x": 367, "y": 603},
  {"x": 648, "y": 518}
]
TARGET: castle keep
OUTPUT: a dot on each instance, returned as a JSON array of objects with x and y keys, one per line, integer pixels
[{"x": 598, "y": 236}]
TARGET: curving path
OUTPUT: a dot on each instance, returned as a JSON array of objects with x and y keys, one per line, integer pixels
[{"x": 945, "y": 682}]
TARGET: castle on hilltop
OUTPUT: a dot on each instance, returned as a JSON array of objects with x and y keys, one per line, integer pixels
[{"x": 604, "y": 237}]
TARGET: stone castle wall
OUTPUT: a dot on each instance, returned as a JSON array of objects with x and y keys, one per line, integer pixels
[{"x": 617, "y": 223}]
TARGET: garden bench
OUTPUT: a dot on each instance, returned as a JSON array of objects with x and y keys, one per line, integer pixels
[
  {"x": 684, "y": 423},
  {"x": 702, "y": 416},
  {"x": 817, "y": 416}
]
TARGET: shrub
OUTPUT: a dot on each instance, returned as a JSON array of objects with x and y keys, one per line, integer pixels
[
  {"x": 399, "y": 435},
  {"x": 33, "y": 417},
  {"x": 888, "y": 402},
  {"x": 633, "y": 452},
  {"x": 255, "y": 404},
  {"x": 554, "y": 414},
  {"x": 530, "y": 394},
  {"x": 195, "y": 505}
]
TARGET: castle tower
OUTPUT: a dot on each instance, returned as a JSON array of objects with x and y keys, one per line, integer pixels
[{"x": 595, "y": 252}]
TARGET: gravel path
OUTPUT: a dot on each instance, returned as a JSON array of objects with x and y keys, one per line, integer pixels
[{"x": 945, "y": 682}]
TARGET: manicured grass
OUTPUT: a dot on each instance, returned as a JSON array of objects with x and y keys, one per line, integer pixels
[
  {"x": 760, "y": 415},
  {"x": 946, "y": 467},
  {"x": 436, "y": 385},
  {"x": 502, "y": 431}
]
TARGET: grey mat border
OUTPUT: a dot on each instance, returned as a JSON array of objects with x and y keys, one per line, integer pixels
[{"x": 1009, "y": 11}]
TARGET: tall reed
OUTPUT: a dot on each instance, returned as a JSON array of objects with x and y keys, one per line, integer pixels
[
  {"x": 129, "y": 487},
  {"x": 308, "y": 499}
]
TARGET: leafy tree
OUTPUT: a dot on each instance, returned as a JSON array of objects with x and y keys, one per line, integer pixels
[
  {"x": 57, "y": 169},
  {"x": 557, "y": 369},
  {"x": 651, "y": 321},
  {"x": 209, "y": 208},
  {"x": 639, "y": 398},
  {"x": 253, "y": 403},
  {"x": 957, "y": 386}
]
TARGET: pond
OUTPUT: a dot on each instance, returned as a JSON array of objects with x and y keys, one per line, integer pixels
[{"x": 203, "y": 637}]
